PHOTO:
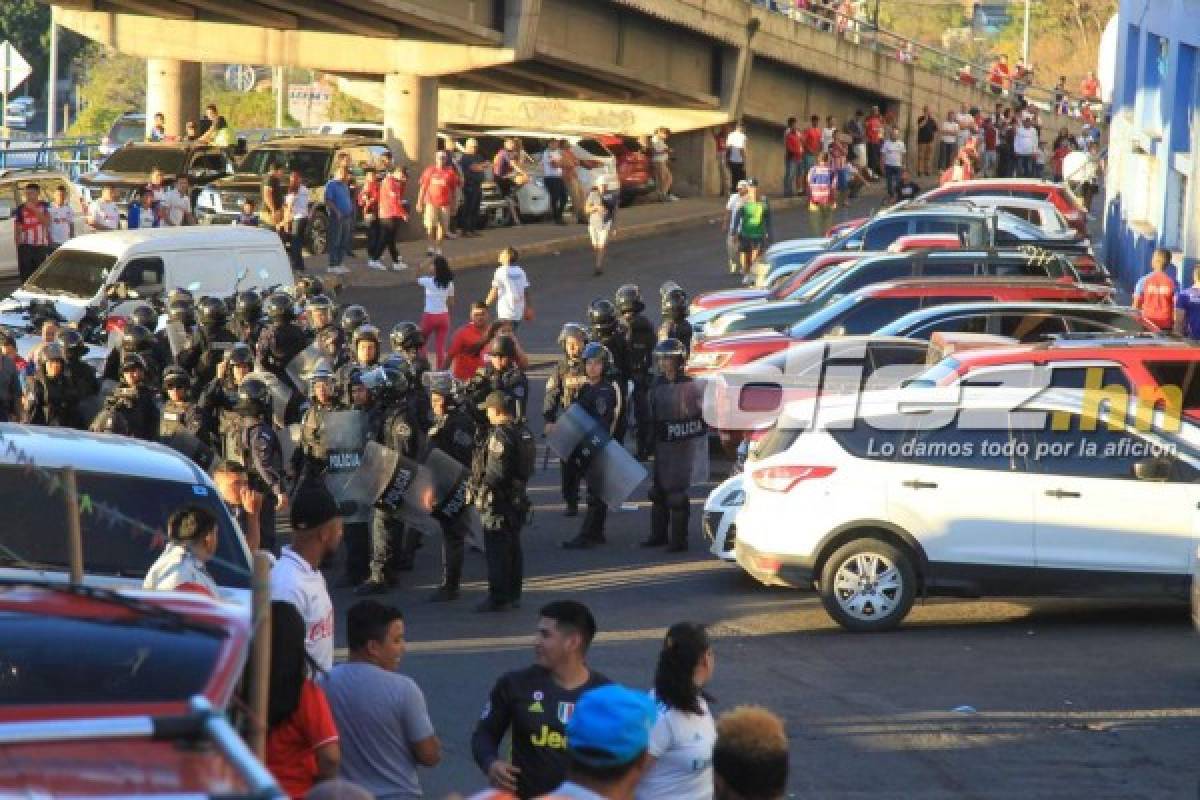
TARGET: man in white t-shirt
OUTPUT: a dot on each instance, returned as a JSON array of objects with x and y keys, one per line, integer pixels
[
  {"x": 949, "y": 141},
  {"x": 62, "y": 218},
  {"x": 296, "y": 577},
  {"x": 176, "y": 204},
  {"x": 105, "y": 215},
  {"x": 510, "y": 289},
  {"x": 731, "y": 208},
  {"x": 735, "y": 153}
]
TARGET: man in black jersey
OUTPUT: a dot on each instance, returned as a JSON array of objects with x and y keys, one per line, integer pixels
[{"x": 536, "y": 703}]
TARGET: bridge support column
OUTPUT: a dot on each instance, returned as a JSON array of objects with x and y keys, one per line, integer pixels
[
  {"x": 410, "y": 117},
  {"x": 172, "y": 89}
]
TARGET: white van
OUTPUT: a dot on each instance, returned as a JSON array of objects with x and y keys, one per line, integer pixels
[{"x": 149, "y": 263}]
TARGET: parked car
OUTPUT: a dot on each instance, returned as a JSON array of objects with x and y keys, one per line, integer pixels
[
  {"x": 365, "y": 130},
  {"x": 874, "y": 309},
  {"x": 782, "y": 286},
  {"x": 129, "y": 127},
  {"x": 633, "y": 165},
  {"x": 315, "y": 156},
  {"x": 849, "y": 276},
  {"x": 12, "y": 184},
  {"x": 1057, "y": 193},
  {"x": 719, "y": 522},
  {"x": 875, "y": 510},
  {"x": 1024, "y": 322},
  {"x": 128, "y": 169}
]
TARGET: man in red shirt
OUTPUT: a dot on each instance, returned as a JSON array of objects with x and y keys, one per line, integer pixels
[
  {"x": 998, "y": 75},
  {"x": 1089, "y": 87},
  {"x": 811, "y": 138},
  {"x": 439, "y": 184},
  {"x": 793, "y": 157},
  {"x": 393, "y": 213},
  {"x": 31, "y": 232},
  {"x": 467, "y": 343},
  {"x": 873, "y": 127},
  {"x": 1155, "y": 293}
]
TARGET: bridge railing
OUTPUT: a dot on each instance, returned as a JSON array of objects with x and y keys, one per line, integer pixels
[
  {"x": 858, "y": 28},
  {"x": 73, "y": 155}
]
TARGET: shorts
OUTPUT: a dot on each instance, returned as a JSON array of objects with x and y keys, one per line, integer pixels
[
  {"x": 599, "y": 232},
  {"x": 436, "y": 215},
  {"x": 748, "y": 244}
]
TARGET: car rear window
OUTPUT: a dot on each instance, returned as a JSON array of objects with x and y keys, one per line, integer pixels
[
  {"x": 124, "y": 522},
  {"x": 124, "y": 131},
  {"x": 1182, "y": 374},
  {"x": 48, "y": 660},
  {"x": 144, "y": 159}
]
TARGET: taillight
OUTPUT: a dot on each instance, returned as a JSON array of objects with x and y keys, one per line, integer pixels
[{"x": 784, "y": 479}]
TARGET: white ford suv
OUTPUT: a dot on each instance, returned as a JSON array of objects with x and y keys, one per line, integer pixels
[{"x": 875, "y": 508}]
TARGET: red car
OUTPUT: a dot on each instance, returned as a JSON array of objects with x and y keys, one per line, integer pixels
[
  {"x": 1057, "y": 193},
  {"x": 711, "y": 301},
  {"x": 633, "y": 165},
  {"x": 1150, "y": 366},
  {"x": 874, "y": 306}
]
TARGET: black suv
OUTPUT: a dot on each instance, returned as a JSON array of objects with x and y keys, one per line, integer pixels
[
  {"x": 128, "y": 169},
  {"x": 315, "y": 157}
]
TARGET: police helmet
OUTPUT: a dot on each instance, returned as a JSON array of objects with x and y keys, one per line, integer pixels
[
  {"x": 309, "y": 287},
  {"x": 364, "y": 333},
  {"x": 175, "y": 377},
  {"x": 132, "y": 361},
  {"x": 674, "y": 300},
  {"x": 385, "y": 382},
  {"x": 72, "y": 343},
  {"x": 145, "y": 316},
  {"x": 628, "y": 299},
  {"x": 443, "y": 384},
  {"x": 211, "y": 311},
  {"x": 670, "y": 348},
  {"x": 182, "y": 312},
  {"x": 603, "y": 316},
  {"x": 572, "y": 330},
  {"x": 52, "y": 351},
  {"x": 597, "y": 350},
  {"x": 179, "y": 294},
  {"x": 280, "y": 307},
  {"x": 249, "y": 306},
  {"x": 406, "y": 336},
  {"x": 320, "y": 372},
  {"x": 136, "y": 339},
  {"x": 504, "y": 346},
  {"x": 353, "y": 317},
  {"x": 241, "y": 354},
  {"x": 319, "y": 302},
  {"x": 253, "y": 399}
]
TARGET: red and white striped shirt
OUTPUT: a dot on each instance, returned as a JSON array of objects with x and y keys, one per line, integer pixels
[{"x": 31, "y": 230}]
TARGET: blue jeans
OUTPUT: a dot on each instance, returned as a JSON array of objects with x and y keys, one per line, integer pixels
[
  {"x": 341, "y": 234},
  {"x": 891, "y": 178},
  {"x": 791, "y": 174},
  {"x": 1024, "y": 166}
]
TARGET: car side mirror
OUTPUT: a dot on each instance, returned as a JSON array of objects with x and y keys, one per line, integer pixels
[{"x": 1155, "y": 468}]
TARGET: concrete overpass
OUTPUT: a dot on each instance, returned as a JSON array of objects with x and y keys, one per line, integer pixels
[{"x": 569, "y": 65}]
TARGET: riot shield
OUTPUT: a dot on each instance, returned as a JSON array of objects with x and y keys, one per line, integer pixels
[
  {"x": 281, "y": 395},
  {"x": 397, "y": 485},
  {"x": 611, "y": 472},
  {"x": 178, "y": 338},
  {"x": 289, "y": 440},
  {"x": 451, "y": 498},
  {"x": 300, "y": 368},
  {"x": 345, "y": 437},
  {"x": 681, "y": 436}
]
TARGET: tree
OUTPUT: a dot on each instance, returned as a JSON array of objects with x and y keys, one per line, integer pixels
[
  {"x": 26, "y": 24},
  {"x": 113, "y": 84},
  {"x": 1064, "y": 37},
  {"x": 346, "y": 107}
]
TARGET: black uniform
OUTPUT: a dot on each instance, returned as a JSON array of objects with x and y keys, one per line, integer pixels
[
  {"x": 511, "y": 381},
  {"x": 82, "y": 376},
  {"x": 454, "y": 434},
  {"x": 562, "y": 389},
  {"x": 604, "y": 402},
  {"x": 532, "y": 704},
  {"x": 262, "y": 456},
  {"x": 310, "y": 459},
  {"x": 331, "y": 341},
  {"x": 129, "y": 411},
  {"x": 216, "y": 401},
  {"x": 250, "y": 331},
  {"x": 277, "y": 345},
  {"x": 502, "y": 467},
  {"x": 202, "y": 358},
  {"x": 641, "y": 338},
  {"x": 676, "y": 328},
  {"x": 391, "y": 548},
  {"x": 187, "y": 428},
  {"x": 52, "y": 401},
  {"x": 676, "y": 410}
]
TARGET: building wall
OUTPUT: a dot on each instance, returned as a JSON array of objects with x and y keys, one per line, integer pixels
[{"x": 1152, "y": 193}]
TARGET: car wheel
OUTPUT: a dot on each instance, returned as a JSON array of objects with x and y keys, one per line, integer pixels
[
  {"x": 868, "y": 585},
  {"x": 318, "y": 233}
]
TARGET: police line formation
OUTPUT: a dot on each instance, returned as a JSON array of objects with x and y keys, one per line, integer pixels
[{"x": 293, "y": 392}]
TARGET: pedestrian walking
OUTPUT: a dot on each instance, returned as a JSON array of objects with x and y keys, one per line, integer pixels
[
  {"x": 439, "y": 183},
  {"x": 533, "y": 704},
  {"x": 176, "y": 205},
  {"x": 60, "y": 220},
  {"x": 1155, "y": 293},
  {"x": 296, "y": 577},
  {"x": 752, "y": 226},
  {"x": 750, "y": 757},
  {"x": 893, "y": 154},
  {"x": 571, "y": 164},
  {"x": 660, "y": 162},
  {"x": 822, "y": 195},
  {"x": 927, "y": 128},
  {"x": 272, "y": 194},
  {"x": 466, "y": 345},
  {"x": 731, "y": 208},
  {"x": 192, "y": 538},
  {"x": 858, "y": 143},
  {"x": 393, "y": 211},
  {"x": 31, "y": 231},
  {"x": 510, "y": 290},
  {"x": 684, "y": 733},
  {"x": 601, "y": 209},
  {"x": 509, "y": 174},
  {"x": 383, "y": 724},
  {"x": 438, "y": 283},
  {"x": 339, "y": 205},
  {"x": 295, "y": 218},
  {"x": 302, "y": 740},
  {"x": 736, "y": 155},
  {"x": 949, "y": 141},
  {"x": 552, "y": 175},
  {"x": 472, "y": 166},
  {"x": 720, "y": 135}
]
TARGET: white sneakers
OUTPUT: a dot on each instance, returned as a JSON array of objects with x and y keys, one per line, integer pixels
[
  {"x": 398, "y": 265},
  {"x": 376, "y": 265},
  {"x": 338, "y": 270}
]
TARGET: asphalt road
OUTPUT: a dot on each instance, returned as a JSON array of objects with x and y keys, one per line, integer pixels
[{"x": 1029, "y": 699}]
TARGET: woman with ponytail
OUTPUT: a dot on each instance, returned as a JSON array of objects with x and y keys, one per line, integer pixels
[{"x": 681, "y": 742}]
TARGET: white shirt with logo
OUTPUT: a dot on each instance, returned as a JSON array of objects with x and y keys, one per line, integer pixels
[
  {"x": 510, "y": 284},
  {"x": 293, "y": 580},
  {"x": 106, "y": 216},
  {"x": 682, "y": 745},
  {"x": 175, "y": 206},
  {"x": 61, "y": 218}
]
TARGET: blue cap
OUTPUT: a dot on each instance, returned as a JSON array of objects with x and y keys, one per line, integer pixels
[{"x": 610, "y": 726}]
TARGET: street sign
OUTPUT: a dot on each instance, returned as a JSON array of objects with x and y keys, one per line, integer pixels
[
  {"x": 240, "y": 77},
  {"x": 15, "y": 68}
]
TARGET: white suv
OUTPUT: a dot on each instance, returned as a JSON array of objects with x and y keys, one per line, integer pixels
[{"x": 875, "y": 510}]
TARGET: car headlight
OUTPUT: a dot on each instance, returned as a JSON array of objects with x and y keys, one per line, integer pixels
[
  {"x": 712, "y": 360},
  {"x": 735, "y": 498}
]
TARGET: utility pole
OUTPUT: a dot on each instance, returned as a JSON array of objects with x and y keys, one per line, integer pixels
[
  {"x": 1025, "y": 42},
  {"x": 52, "y": 80},
  {"x": 280, "y": 92}
]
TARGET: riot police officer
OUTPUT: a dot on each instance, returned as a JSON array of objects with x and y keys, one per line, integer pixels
[
  {"x": 282, "y": 339},
  {"x": 641, "y": 338},
  {"x": 308, "y": 287},
  {"x": 329, "y": 338},
  {"x": 364, "y": 354},
  {"x": 502, "y": 374},
  {"x": 310, "y": 458},
  {"x": 608, "y": 330},
  {"x": 219, "y": 398},
  {"x": 562, "y": 389},
  {"x": 602, "y": 400},
  {"x": 131, "y": 409},
  {"x": 407, "y": 340},
  {"x": 260, "y": 453},
  {"x": 135, "y": 339},
  {"x": 353, "y": 317},
  {"x": 50, "y": 398},
  {"x": 500, "y": 473},
  {"x": 248, "y": 317},
  {"x": 181, "y": 315},
  {"x": 452, "y": 432},
  {"x": 81, "y": 374},
  {"x": 674, "y": 309},
  {"x": 205, "y": 353},
  {"x": 676, "y": 411},
  {"x": 184, "y": 425}
]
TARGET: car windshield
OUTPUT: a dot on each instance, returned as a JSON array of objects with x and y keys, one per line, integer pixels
[
  {"x": 816, "y": 323},
  {"x": 127, "y": 131},
  {"x": 144, "y": 159},
  {"x": 76, "y": 273},
  {"x": 124, "y": 521},
  {"x": 820, "y": 282},
  {"x": 313, "y": 164},
  {"x": 101, "y": 659}
]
